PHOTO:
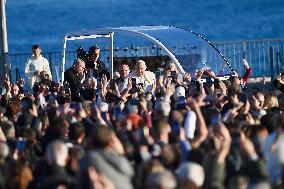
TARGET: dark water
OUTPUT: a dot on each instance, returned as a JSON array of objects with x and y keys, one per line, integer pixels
[{"x": 46, "y": 21}]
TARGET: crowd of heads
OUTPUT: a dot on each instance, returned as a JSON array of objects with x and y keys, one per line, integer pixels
[{"x": 141, "y": 130}]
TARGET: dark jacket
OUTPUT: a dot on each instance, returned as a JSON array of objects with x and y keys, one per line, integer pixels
[
  {"x": 74, "y": 80},
  {"x": 50, "y": 176}
]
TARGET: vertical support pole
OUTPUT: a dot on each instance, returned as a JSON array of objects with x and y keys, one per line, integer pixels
[
  {"x": 17, "y": 74},
  {"x": 63, "y": 60},
  {"x": 4, "y": 45},
  {"x": 271, "y": 63},
  {"x": 245, "y": 50},
  {"x": 278, "y": 62},
  {"x": 111, "y": 54},
  {"x": 50, "y": 64}
]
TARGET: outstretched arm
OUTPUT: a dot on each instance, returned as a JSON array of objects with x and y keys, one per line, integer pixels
[{"x": 247, "y": 71}]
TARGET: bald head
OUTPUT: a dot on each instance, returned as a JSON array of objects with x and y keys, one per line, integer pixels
[{"x": 79, "y": 65}]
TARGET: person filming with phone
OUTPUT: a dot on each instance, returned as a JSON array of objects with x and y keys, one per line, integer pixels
[{"x": 171, "y": 71}]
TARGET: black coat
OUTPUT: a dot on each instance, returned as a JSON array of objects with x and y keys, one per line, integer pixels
[
  {"x": 74, "y": 80},
  {"x": 50, "y": 176}
]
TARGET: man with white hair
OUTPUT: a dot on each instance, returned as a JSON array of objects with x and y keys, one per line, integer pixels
[
  {"x": 144, "y": 79},
  {"x": 57, "y": 153}
]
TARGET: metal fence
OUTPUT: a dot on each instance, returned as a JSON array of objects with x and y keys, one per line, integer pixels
[
  {"x": 265, "y": 56},
  {"x": 18, "y": 63}
]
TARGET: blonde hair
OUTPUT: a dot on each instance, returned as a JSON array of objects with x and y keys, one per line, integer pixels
[
  {"x": 270, "y": 101},
  {"x": 273, "y": 101}
]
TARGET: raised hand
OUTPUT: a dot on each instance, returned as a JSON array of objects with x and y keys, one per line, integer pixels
[
  {"x": 211, "y": 74},
  {"x": 170, "y": 89},
  {"x": 199, "y": 74},
  {"x": 193, "y": 104},
  {"x": 21, "y": 82},
  {"x": 247, "y": 146},
  {"x": 7, "y": 83},
  {"x": 223, "y": 88},
  {"x": 223, "y": 142},
  {"x": 104, "y": 80},
  {"x": 245, "y": 63},
  {"x": 187, "y": 77}
]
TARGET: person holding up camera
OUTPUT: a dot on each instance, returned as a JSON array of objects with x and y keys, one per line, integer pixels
[{"x": 172, "y": 72}]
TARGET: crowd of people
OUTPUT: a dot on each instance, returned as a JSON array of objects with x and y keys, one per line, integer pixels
[{"x": 139, "y": 130}]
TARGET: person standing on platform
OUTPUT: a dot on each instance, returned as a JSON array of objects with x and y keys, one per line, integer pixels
[
  {"x": 145, "y": 79},
  {"x": 35, "y": 65},
  {"x": 94, "y": 66}
]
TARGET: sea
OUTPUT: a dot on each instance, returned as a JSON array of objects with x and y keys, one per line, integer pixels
[{"x": 47, "y": 21}]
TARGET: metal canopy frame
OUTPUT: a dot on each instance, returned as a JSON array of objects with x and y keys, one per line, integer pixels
[{"x": 109, "y": 33}]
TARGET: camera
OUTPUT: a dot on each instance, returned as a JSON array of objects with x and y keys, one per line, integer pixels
[
  {"x": 81, "y": 54},
  {"x": 136, "y": 87},
  {"x": 134, "y": 82},
  {"x": 174, "y": 76}
]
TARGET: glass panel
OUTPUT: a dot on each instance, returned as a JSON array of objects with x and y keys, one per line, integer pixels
[{"x": 191, "y": 50}]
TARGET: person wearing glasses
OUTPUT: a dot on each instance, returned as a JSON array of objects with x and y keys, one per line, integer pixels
[{"x": 35, "y": 65}]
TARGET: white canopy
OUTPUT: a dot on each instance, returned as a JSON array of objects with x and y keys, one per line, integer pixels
[{"x": 197, "y": 52}]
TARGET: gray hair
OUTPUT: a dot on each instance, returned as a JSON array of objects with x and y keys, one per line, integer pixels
[
  {"x": 164, "y": 179},
  {"x": 57, "y": 153},
  {"x": 77, "y": 60}
]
